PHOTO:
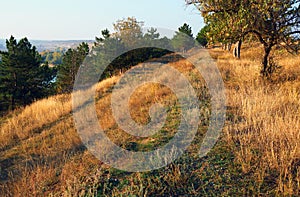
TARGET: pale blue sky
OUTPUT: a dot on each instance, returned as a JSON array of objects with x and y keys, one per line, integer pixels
[{"x": 84, "y": 19}]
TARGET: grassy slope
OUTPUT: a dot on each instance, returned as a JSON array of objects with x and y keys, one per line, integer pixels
[{"x": 258, "y": 154}]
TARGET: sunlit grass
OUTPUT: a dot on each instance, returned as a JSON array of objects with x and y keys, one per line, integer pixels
[{"x": 258, "y": 154}]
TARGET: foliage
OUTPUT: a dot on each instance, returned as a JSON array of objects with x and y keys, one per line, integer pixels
[
  {"x": 254, "y": 157},
  {"x": 67, "y": 71},
  {"x": 23, "y": 77},
  {"x": 105, "y": 33},
  {"x": 202, "y": 36},
  {"x": 53, "y": 57},
  {"x": 186, "y": 29},
  {"x": 273, "y": 22},
  {"x": 107, "y": 50},
  {"x": 151, "y": 34},
  {"x": 107, "y": 55},
  {"x": 183, "y": 39},
  {"x": 129, "y": 31}
]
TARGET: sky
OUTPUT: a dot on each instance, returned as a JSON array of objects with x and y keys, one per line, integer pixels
[{"x": 84, "y": 19}]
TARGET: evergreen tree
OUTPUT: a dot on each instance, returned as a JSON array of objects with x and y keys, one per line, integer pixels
[
  {"x": 108, "y": 55},
  {"x": 67, "y": 71},
  {"x": 105, "y": 33},
  {"x": 183, "y": 39},
  {"x": 151, "y": 34},
  {"x": 186, "y": 29},
  {"x": 23, "y": 77}
]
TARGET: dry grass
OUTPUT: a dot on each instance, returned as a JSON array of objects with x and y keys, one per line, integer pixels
[
  {"x": 42, "y": 154},
  {"x": 265, "y": 123},
  {"x": 33, "y": 118}
]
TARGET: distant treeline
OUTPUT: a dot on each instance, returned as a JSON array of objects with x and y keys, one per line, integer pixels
[{"x": 53, "y": 57}]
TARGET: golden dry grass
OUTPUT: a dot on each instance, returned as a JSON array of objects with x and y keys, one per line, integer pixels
[
  {"x": 23, "y": 125},
  {"x": 42, "y": 154},
  {"x": 265, "y": 128}
]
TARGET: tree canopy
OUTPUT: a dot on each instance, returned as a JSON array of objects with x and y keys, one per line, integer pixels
[
  {"x": 183, "y": 39},
  {"x": 53, "y": 57},
  {"x": 273, "y": 22},
  {"x": 67, "y": 71},
  {"x": 23, "y": 77},
  {"x": 129, "y": 31},
  {"x": 128, "y": 36},
  {"x": 202, "y": 37}
]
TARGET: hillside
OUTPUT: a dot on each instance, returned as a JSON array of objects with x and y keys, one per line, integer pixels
[{"x": 41, "y": 153}]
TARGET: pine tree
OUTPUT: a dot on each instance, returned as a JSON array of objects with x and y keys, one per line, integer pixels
[
  {"x": 23, "y": 77},
  {"x": 186, "y": 29},
  {"x": 67, "y": 71},
  {"x": 183, "y": 39}
]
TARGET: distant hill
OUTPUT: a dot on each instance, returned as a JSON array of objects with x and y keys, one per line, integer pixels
[
  {"x": 51, "y": 45},
  {"x": 2, "y": 44}
]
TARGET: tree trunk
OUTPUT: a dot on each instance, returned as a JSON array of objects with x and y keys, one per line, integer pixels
[
  {"x": 229, "y": 47},
  {"x": 266, "y": 60},
  {"x": 223, "y": 46},
  {"x": 237, "y": 49}
]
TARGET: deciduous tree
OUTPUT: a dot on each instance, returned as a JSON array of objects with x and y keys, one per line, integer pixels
[
  {"x": 129, "y": 31},
  {"x": 273, "y": 22},
  {"x": 203, "y": 36}
]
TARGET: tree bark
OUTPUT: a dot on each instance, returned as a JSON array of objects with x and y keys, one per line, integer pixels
[
  {"x": 237, "y": 49},
  {"x": 229, "y": 47},
  {"x": 266, "y": 60},
  {"x": 224, "y": 46}
]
